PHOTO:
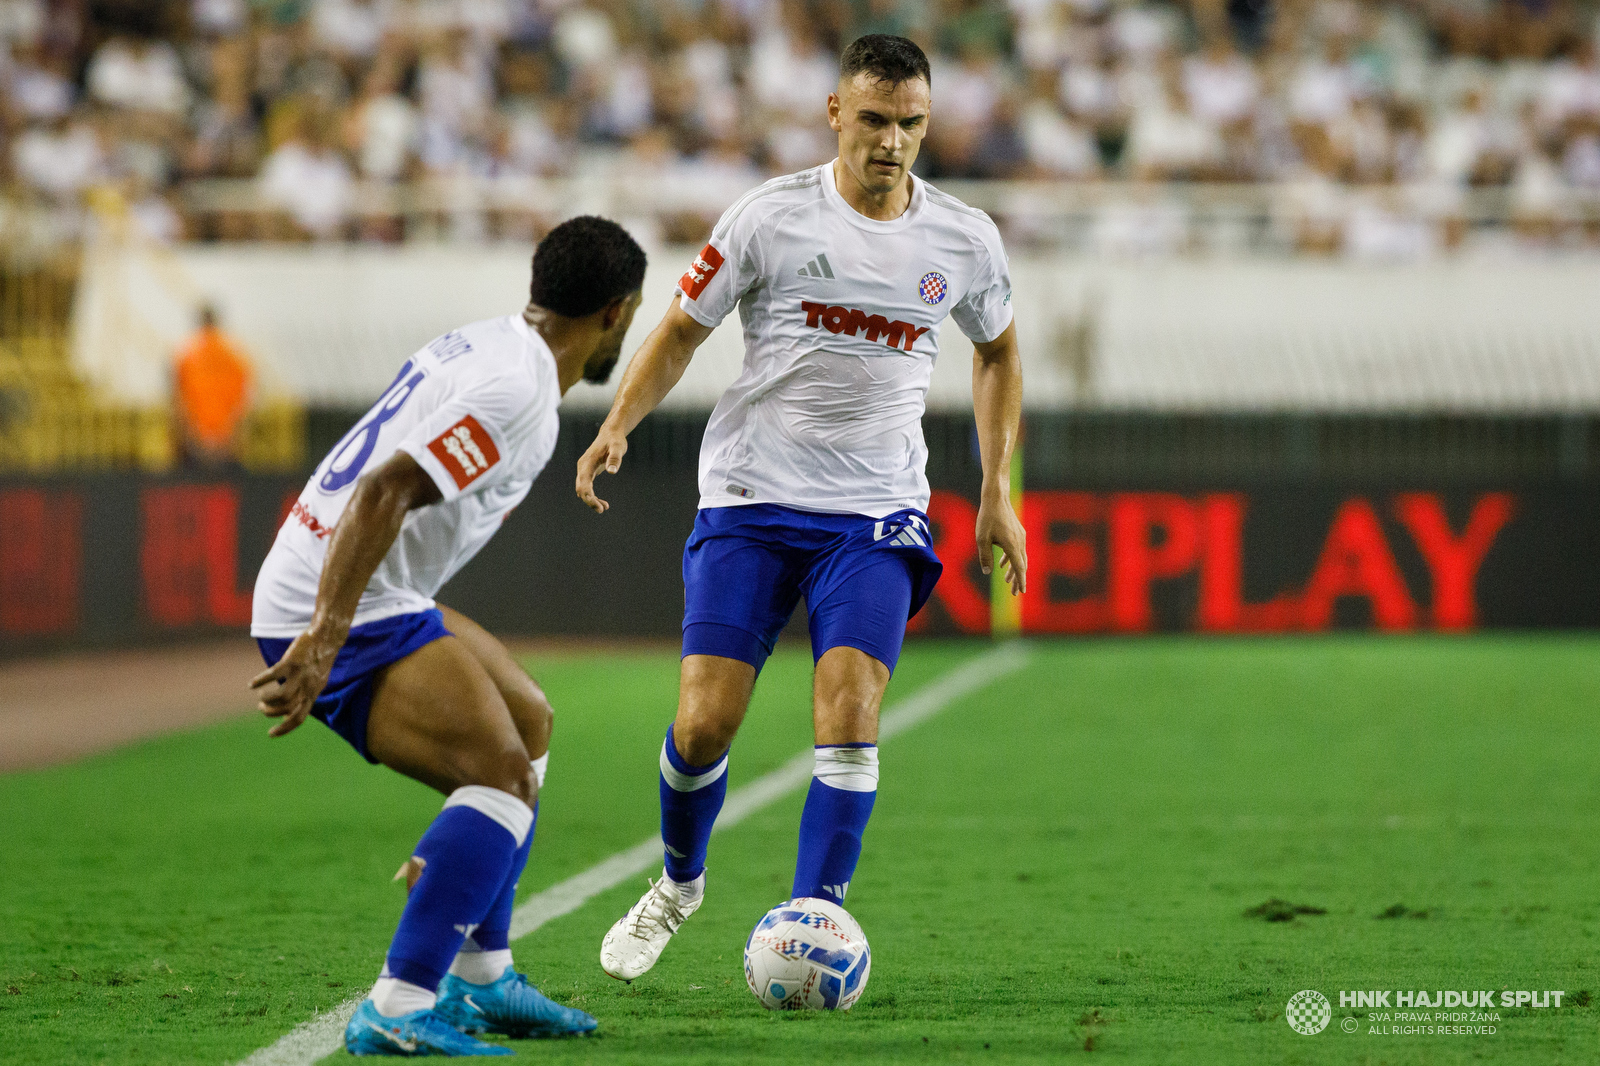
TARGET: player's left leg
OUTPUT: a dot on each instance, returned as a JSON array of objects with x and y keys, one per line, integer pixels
[
  {"x": 848, "y": 691},
  {"x": 482, "y": 992},
  {"x": 859, "y": 601}
]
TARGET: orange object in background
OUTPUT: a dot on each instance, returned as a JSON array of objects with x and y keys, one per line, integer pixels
[{"x": 213, "y": 381}]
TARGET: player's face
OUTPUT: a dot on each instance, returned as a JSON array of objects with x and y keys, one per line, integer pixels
[
  {"x": 880, "y": 128},
  {"x": 597, "y": 371}
]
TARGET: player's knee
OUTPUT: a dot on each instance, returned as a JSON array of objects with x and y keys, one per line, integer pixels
[
  {"x": 507, "y": 771},
  {"x": 544, "y": 717},
  {"x": 534, "y": 717},
  {"x": 848, "y": 716},
  {"x": 702, "y": 739}
]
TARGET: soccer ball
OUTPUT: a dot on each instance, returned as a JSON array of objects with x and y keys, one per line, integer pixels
[{"x": 807, "y": 954}]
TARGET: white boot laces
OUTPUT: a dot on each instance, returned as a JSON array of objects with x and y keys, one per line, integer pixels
[{"x": 660, "y": 909}]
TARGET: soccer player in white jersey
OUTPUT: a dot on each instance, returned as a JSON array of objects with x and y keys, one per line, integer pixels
[
  {"x": 812, "y": 470},
  {"x": 345, "y": 618}
]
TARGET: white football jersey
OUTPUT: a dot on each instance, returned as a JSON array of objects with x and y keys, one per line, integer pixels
[
  {"x": 841, "y": 319},
  {"x": 476, "y": 408}
]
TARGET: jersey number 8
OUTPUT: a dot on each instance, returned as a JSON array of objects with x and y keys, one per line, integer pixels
[{"x": 347, "y": 460}]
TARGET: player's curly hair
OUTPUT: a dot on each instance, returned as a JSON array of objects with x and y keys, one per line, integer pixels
[
  {"x": 583, "y": 264},
  {"x": 885, "y": 57}
]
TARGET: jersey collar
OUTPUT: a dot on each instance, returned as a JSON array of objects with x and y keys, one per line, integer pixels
[{"x": 872, "y": 225}]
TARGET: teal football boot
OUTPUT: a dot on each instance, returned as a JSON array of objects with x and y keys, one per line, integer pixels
[
  {"x": 509, "y": 1006},
  {"x": 422, "y": 1032}
]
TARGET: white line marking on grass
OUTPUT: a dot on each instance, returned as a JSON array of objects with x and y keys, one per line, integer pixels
[{"x": 324, "y": 1034}]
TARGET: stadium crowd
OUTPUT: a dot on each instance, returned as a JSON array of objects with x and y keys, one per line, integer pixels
[{"x": 1416, "y": 101}]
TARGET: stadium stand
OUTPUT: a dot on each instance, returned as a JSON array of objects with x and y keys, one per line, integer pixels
[
  {"x": 141, "y": 136},
  {"x": 1375, "y": 121}
]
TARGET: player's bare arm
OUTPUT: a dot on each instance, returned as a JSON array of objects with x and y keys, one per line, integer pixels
[
  {"x": 656, "y": 367},
  {"x": 997, "y": 405},
  {"x": 364, "y": 535}
]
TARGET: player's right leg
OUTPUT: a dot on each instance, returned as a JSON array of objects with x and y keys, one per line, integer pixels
[
  {"x": 713, "y": 694},
  {"x": 436, "y": 716},
  {"x": 740, "y": 586},
  {"x": 483, "y": 992}
]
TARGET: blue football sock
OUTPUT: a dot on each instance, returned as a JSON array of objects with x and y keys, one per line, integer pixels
[
  {"x": 467, "y": 851},
  {"x": 691, "y": 796},
  {"x": 494, "y": 932},
  {"x": 843, "y": 786}
]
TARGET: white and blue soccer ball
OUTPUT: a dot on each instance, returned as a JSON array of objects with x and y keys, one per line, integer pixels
[{"x": 807, "y": 954}]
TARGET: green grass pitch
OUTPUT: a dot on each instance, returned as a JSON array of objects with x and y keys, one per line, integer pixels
[{"x": 1058, "y": 868}]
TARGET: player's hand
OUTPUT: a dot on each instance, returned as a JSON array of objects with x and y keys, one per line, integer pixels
[
  {"x": 998, "y": 528},
  {"x": 300, "y": 677},
  {"x": 604, "y": 454}
]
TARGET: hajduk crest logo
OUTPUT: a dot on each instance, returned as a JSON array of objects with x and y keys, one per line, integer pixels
[
  {"x": 1309, "y": 1012},
  {"x": 932, "y": 287}
]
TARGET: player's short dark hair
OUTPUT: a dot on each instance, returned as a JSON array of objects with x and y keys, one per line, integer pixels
[
  {"x": 887, "y": 58},
  {"x": 583, "y": 264}
]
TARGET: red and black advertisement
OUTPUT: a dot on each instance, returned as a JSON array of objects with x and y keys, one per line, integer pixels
[
  {"x": 122, "y": 560},
  {"x": 1285, "y": 559}
]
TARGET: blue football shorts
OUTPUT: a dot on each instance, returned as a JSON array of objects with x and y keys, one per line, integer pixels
[
  {"x": 346, "y": 701},
  {"x": 745, "y": 569}
]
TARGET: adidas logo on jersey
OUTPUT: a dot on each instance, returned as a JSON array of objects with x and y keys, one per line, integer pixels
[
  {"x": 817, "y": 268},
  {"x": 852, "y": 321}
]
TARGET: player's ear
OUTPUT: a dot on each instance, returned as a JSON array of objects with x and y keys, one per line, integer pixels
[
  {"x": 612, "y": 312},
  {"x": 834, "y": 107}
]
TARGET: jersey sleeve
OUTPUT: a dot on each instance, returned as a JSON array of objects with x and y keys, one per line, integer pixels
[
  {"x": 985, "y": 311},
  {"x": 466, "y": 445},
  {"x": 726, "y": 268}
]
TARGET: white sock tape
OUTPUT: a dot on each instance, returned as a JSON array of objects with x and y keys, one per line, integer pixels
[
  {"x": 502, "y": 807},
  {"x": 539, "y": 766},
  {"x": 848, "y": 769},
  {"x": 682, "y": 782}
]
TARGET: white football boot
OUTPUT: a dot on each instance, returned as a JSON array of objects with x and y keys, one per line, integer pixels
[{"x": 637, "y": 940}]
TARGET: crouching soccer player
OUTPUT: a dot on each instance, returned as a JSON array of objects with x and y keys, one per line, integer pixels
[
  {"x": 345, "y": 619},
  {"x": 812, "y": 469}
]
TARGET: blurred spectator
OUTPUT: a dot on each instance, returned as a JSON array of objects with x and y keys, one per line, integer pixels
[
  {"x": 790, "y": 75},
  {"x": 59, "y": 161},
  {"x": 21, "y": 20},
  {"x": 219, "y": 18},
  {"x": 1169, "y": 142},
  {"x": 382, "y": 126},
  {"x": 1221, "y": 86},
  {"x": 455, "y": 90},
  {"x": 1538, "y": 198},
  {"x": 139, "y": 75},
  {"x": 1056, "y": 146},
  {"x": 38, "y": 87},
  {"x": 225, "y": 137},
  {"x": 1571, "y": 88},
  {"x": 351, "y": 29},
  {"x": 212, "y": 382},
  {"x": 309, "y": 180},
  {"x": 1469, "y": 145}
]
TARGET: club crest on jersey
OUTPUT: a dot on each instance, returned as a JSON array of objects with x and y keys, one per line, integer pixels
[
  {"x": 700, "y": 272},
  {"x": 932, "y": 287},
  {"x": 465, "y": 450}
]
